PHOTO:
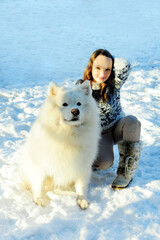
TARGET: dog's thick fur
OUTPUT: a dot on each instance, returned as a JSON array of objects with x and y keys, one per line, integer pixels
[{"x": 62, "y": 143}]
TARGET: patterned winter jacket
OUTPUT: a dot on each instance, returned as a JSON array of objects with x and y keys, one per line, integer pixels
[{"x": 111, "y": 111}]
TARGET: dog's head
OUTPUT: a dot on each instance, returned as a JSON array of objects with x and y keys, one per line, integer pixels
[{"x": 72, "y": 104}]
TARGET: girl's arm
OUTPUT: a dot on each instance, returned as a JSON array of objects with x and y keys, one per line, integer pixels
[{"x": 122, "y": 70}]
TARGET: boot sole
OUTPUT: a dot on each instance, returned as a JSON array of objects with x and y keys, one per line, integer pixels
[{"x": 120, "y": 188}]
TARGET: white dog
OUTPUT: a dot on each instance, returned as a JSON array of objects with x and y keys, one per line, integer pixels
[{"x": 62, "y": 143}]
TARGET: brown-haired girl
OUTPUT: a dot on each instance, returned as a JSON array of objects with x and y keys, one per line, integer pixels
[{"x": 107, "y": 75}]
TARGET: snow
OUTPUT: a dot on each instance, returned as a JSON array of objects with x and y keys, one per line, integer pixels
[{"x": 53, "y": 40}]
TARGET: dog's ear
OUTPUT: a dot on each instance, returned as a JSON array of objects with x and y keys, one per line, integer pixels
[
  {"x": 86, "y": 86},
  {"x": 52, "y": 90}
]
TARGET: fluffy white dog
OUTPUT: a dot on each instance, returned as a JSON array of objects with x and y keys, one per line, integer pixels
[{"x": 62, "y": 144}]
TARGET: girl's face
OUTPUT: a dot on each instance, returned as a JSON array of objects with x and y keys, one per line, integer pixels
[{"x": 101, "y": 69}]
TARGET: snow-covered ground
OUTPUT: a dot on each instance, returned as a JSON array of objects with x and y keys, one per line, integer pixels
[{"x": 52, "y": 40}]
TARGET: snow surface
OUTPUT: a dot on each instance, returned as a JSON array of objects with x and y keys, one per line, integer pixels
[{"x": 53, "y": 40}]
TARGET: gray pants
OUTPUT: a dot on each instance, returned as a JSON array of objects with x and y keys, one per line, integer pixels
[{"x": 127, "y": 129}]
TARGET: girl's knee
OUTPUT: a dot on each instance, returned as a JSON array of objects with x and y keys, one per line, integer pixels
[
  {"x": 132, "y": 122},
  {"x": 132, "y": 129},
  {"x": 103, "y": 164},
  {"x": 105, "y": 158}
]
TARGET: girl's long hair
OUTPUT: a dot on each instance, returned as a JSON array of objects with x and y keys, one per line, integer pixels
[{"x": 87, "y": 75}]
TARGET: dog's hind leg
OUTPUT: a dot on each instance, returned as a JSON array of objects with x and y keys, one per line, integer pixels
[
  {"x": 38, "y": 191},
  {"x": 81, "y": 190}
]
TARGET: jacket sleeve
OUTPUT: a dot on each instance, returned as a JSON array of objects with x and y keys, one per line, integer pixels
[{"x": 122, "y": 70}]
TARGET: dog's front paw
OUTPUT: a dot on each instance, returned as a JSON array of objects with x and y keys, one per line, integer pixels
[
  {"x": 42, "y": 201},
  {"x": 82, "y": 202}
]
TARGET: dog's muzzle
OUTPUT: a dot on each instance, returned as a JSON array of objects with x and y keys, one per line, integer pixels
[{"x": 75, "y": 112}]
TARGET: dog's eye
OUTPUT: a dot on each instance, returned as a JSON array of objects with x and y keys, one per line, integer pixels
[
  {"x": 65, "y": 104},
  {"x": 79, "y": 104}
]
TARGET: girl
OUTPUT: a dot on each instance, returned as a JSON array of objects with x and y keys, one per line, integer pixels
[{"x": 106, "y": 76}]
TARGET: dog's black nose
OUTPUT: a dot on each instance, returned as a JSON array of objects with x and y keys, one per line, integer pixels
[{"x": 75, "y": 112}]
